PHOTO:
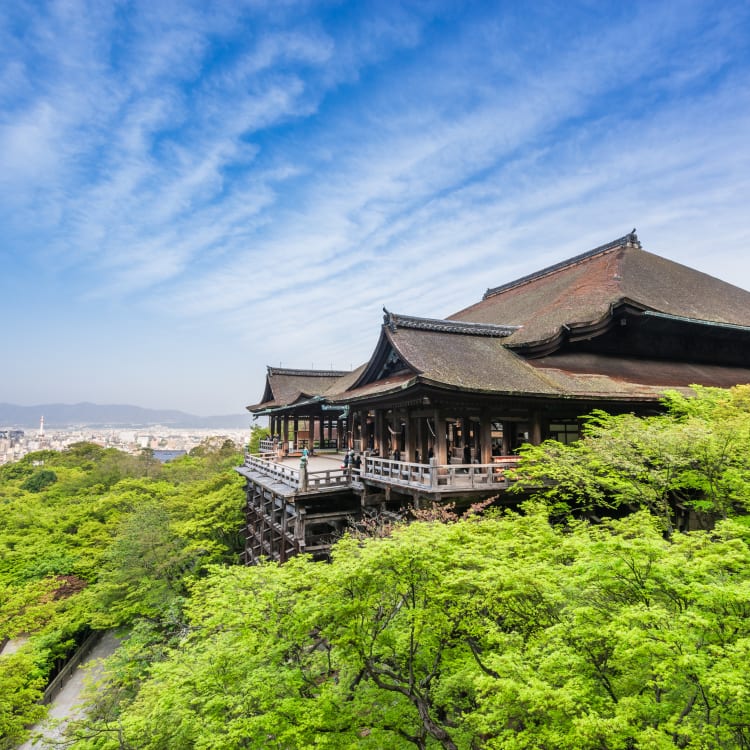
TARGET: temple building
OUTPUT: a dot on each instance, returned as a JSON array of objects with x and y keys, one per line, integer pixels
[{"x": 441, "y": 406}]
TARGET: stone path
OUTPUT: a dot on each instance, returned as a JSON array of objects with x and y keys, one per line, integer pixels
[{"x": 66, "y": 703}]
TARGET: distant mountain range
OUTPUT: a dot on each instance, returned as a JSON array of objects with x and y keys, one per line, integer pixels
[{"x": 58, "y": 416}]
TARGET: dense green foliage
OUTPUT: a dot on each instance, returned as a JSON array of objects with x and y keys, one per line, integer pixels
[
  {"x": 688, "y": 465},
  {"x": 258, "y": 434},
  {"x": 496, "y": 633},
  {"x": 510, "y": 631},
  {"x": 97, "y": 538}
]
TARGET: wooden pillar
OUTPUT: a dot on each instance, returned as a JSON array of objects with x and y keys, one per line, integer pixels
[
  {"x": 422, "y": 439},
  {"x": 365, "y": 431},
  {"x": 379, "y": 442},
  {"x": 411, "y": 438},
  {"x": 441, "y": 449},
  {"x": 485, "y": 438},
  {"x": 465, "y": 440},
  {"x": 507, "y": 427},
  {"x": 285, "y": 435},
  {"x": 536, "y": 428},
  {"x": 295, "y": 430}
]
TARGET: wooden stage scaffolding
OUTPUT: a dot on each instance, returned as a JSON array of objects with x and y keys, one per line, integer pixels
[{"x": 291, "y": 511}]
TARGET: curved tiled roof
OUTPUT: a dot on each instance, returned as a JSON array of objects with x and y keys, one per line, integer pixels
[
  {"x": 484, "y": 365},
  {"x": 584, "y": 289},
  {"x": 285, "y": 386},
  {"x": 478, "y": 349}
]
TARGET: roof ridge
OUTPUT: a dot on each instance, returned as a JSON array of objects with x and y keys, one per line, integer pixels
[
  {"x": 628, "y": 240},
  {"x": 310, "y": 373},
  {"x": 394, "y": 321}
]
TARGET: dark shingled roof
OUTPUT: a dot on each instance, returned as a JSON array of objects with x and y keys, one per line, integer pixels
[
  {"x": 285, "y": 386},
  {"x": 472, "y": 362},
  {"x": 575, "y": 368},
  {"x": 478, "y": 363},
  {"x": 584, "y": 289},
  {"x": 479, "y": 349}
]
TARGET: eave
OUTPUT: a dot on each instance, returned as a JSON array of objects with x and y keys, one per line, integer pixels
[
  {"x": 315, "y": 401},
  {"x": 415, "y": 388},
  {"x": 579, "y": 330}
]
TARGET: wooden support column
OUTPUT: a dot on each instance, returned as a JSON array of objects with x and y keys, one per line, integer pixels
[
  {"x": 379, "y": 442},
  {"x": 366, "y": 431},
  {"x": 393, "y": 433},
  {"x": 285, "y": 435},
  {"x": 485, "y": 438},
  {"x": 507, "y": 427},
  {"x": 536, "y": 428},
  {"x": 465, "y": 440},
  {"x": 295, "y": 430},
  {"x": 441, "y": 448},
  {"x": 411, "y": 438},
  {"x": 422, "y": 439}
]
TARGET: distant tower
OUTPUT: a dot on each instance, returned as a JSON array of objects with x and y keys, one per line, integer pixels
[{"x": 41, "y": 427}]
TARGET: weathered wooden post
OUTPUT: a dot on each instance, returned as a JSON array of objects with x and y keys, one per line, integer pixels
[
  {"x": 303, "y": 473},
  {"x": 433, "y": 472}
]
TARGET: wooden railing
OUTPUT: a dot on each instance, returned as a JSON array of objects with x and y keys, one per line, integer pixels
[
  {"x": 396, "y": 472},
  {"x": 279, "y": 472},
  {"x": 296, "y": 478},
  {"x": 433, "y": 476},
  {"x": 429, "y": 477},
  {"x": 266, "y": 445},
  {"x": 71, "y": 665}
]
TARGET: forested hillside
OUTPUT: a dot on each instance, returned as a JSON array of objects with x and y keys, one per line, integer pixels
[
  {"x": 548, "y": 628},
  {"x": 95, "y": 539}
]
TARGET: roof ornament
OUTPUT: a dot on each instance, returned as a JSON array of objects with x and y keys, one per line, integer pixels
[
  {"x": 632, "y": 239},
  {"x": 388, "y": 319}
]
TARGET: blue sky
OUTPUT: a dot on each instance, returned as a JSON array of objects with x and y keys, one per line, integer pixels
[{"x": 192, "y": 191}]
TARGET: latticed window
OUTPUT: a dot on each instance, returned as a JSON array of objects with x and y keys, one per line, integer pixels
[{"x": 564, "y": 431}]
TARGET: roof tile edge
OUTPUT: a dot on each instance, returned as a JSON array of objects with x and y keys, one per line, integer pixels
[
  {"x": 310, "y": 373},
  {"x": 393, "y": 321}
]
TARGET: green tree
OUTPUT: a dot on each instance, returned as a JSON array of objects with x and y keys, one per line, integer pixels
[
  {"x": 38, "y": 481},
  {"x": 256, "y": 435},
  {"x": 496, "y": 633},
  {"x": 691, "y": 456}
]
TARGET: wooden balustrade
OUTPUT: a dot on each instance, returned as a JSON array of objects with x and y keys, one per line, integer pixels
[{"x": 428, "y": 477}]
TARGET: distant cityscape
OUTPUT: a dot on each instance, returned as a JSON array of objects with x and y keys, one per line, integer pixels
[{"x": 166, "y": 442}]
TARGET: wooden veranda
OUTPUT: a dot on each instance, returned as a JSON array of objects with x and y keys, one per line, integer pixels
[{"x": 293, "y": 510}]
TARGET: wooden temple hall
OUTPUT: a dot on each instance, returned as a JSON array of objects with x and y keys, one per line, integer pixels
[{"x": 441, "y": 406}]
